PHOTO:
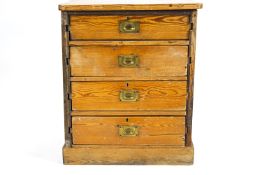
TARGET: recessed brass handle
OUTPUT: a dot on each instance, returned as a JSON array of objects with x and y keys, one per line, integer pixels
[
  {"x": 129, "y": 26},
  {"x": 128, "y": 130},
  {"x": 128, "y": 95},
  {"x": 128, "y": 60}
]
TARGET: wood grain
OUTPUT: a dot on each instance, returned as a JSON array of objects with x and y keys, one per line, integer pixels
[
  {"x": 191, "y": 71},
  {"x": 153, "y": 95},
  {"x": 160, "y": 78},
  {"x": 152, "y": 130},
  {"x": 153, "y": 61},
  {"x": 129, "y": 113},
  {"x": 151, "y": 27},
  {"x": 130, "y": 43},
  {"x": 130, "y": 155},
  {"x": 107, "y": 7},
  {"x": 165, "y": 106},
  {"x": 66, "y": 79}
]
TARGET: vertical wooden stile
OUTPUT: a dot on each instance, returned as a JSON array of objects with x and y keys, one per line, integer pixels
[
  {"x": 66, "y": 79},
  {"x": 190, "y": 79}
]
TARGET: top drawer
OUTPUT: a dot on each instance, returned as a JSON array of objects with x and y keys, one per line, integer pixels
[{"x": 144, "y": 27}]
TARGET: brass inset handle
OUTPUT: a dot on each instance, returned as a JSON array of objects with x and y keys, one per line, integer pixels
[
  {"x": 128, "y": 95},
  {"x": 128, "y": 60},
  {"x": 129, "y": 26},
  {"x": 128, "y": 130}
]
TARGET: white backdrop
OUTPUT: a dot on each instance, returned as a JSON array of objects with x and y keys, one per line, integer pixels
[{"x": 228, "y": 92}]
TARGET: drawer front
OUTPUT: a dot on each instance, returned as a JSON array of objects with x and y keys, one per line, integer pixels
[
  {"x": 136, "y": 130},
  {"x": 129, "y": 27},
  {"x": 131, "y": 95},
  {"x": 129, "y": 61}
]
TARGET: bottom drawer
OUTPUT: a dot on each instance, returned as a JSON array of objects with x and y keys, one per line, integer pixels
[{"x": 135, "y": 130}]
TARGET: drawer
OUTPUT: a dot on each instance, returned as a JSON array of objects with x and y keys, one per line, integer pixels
[
  {"x": 129, "y": 61},
  {"x": 141, "y": 27},
  {"x": 129, "y": 95},
  {"x": 136, "y": 130}
]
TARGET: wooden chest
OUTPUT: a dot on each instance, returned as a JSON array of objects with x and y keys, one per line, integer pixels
[{"x": 128, "y": 83}]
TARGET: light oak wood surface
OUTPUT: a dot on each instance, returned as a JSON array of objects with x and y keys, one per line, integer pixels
[
  {"x": 130, "y": 43},
  {"x": 85, "y": 5},
  {"x": 154, "y": 61},
  {"x": 163, "y": 80},
  {"x": 153, "y": 95},
  {"x": 129, "y": 155},
  {"x": 151, "y": 130},
  {"x": 119, "y": 78},
  {"x": 93, "y": 27},
  {"x": 127, "y": 113}
]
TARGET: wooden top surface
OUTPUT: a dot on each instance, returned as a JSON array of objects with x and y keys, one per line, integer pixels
[{"x": 108, "y": 5}]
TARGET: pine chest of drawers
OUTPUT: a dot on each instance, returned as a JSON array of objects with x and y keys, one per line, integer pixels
[{"x": 128, "y": 83}]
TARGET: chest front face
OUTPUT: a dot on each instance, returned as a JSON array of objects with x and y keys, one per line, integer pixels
[{"x": 128, "y": 83}]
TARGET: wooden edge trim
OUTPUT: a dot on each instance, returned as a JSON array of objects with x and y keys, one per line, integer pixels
[
  {"x": 130, "y": 12},
  {"x": 128, "y": 155},
  {"x": 105, "y": 113},
  {"x": 66, "y": 78},
  {"x": 190, "y": 79},
  {"x": 108, "y": 7},
  {"x": 145, "y": 116},
  {"x": 130, "y": 43},
  {"x": 128, "y": 78}
]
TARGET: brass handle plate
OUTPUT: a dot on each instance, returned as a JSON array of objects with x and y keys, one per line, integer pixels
[
  {"x": 129, "y": 26},
  {"x": 128, "y": 130},
  {"x": 128, "y": 95},
  {"x": 128, "y": 60}
]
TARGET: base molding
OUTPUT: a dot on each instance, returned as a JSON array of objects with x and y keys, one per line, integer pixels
[{"x": 127, "y": 155}]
